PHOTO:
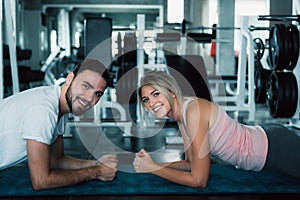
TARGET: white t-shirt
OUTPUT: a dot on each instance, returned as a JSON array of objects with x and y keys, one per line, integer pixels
[{"x": 31, "y": 114}]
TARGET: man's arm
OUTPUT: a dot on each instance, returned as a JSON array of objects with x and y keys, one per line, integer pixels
[
  {"x": 45, "y": 172},
  {"x": 61, "y": 161}
]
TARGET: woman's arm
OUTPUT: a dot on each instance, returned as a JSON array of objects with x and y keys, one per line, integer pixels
[
  {"x": 144, "y": 164},
  {"x": 198, "y": 156},
  {"x": 183, "y": 165}
]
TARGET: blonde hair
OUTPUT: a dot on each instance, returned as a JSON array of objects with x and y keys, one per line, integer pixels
[{"x": 161, "y": 81}]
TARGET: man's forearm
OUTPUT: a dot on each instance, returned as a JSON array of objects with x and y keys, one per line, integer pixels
[
  {"x": 71, "y": 163},
  {"x": 61, "y": 178}
]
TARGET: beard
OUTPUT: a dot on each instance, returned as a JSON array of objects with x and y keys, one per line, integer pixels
[
  {"x": 69, "y": 98},
  {"x": 75, "y": 110}
]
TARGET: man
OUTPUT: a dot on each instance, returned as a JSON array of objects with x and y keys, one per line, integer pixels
[{"x": 32, "y": 127}]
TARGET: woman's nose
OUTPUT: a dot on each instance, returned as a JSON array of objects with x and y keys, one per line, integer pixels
[{"x": 151, "y": 102}]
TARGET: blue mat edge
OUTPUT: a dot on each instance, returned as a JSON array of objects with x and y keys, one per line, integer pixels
[{"x": 224, "y": 180}]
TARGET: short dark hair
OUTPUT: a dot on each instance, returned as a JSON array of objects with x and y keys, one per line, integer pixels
[{"x": 95, "y": 66}]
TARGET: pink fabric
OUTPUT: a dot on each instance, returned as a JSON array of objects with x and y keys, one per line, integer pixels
[{"x": 240, "y": 145}]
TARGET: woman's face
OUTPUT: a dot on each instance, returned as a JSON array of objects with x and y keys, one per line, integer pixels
[{"x": 155, "y": 102}]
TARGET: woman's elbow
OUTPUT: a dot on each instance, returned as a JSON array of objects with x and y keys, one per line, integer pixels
[
  {"x": 202, "y": 185},
  {"x": 199, "y": 183}
]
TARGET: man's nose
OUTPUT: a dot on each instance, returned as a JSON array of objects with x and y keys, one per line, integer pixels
[{"x": 90, "y": 96}]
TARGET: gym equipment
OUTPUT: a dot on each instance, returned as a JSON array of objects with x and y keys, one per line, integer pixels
[
  {"x": 201, "y": 37},
  {"x": 294, "y": 42},
  {"x": 283, "y": 47},
  {"x": 11, "y": 40},
  {"x": 22, "y": 54},
  {"x": 261, "y": 77},
  {"x": 49, "y": 64},
  {"x": 282, "y": 94},
  {"x": 283, "y": 82},
  {"x": 259, "y": 48},
  {"x": 257, "y": 28},
  {"x": 192, "y": 67},
  {"x": 278, "y": 47},
  {"x": 95, "y": 36},
  {"x": 243, "y": 97},
  {"x": 25, "y": 74},
  {"x": 279, "y": 17}
]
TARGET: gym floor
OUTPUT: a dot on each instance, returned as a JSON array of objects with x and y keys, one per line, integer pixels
[{"x": 77, "y": 146}]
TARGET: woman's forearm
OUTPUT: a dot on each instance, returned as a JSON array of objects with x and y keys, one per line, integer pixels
[{"x": 183, "y": 165}]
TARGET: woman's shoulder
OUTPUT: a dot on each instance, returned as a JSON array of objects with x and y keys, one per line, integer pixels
[
  {"x": 199, "y": 102},
  {"x": 203, "y": 106}
]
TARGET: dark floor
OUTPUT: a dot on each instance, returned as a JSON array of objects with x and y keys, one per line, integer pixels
[{"x": 83, "y": 144}]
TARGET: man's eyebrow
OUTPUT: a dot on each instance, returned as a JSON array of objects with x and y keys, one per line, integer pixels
[{"x": 90, "y": 85}]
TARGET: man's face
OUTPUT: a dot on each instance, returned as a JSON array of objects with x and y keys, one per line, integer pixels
[{"x": 84, "y": 91}]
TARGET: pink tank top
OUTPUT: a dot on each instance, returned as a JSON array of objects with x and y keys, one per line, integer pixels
[{"x": 240, "y": 145}]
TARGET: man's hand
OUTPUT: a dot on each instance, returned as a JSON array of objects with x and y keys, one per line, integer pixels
[
  {"x": 108, "y": 167},
  {"x": 108, "y": 160}
]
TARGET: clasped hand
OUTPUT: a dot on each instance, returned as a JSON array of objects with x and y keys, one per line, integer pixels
[
  {"x": 143, "y": 162},
  {"x": 108, "y": 164}
]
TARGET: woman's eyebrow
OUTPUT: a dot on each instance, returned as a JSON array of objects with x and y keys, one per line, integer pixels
[{"x": 153, "y": 91}]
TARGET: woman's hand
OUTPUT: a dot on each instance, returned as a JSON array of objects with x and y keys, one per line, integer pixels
[{"x": 143, "y": 163}]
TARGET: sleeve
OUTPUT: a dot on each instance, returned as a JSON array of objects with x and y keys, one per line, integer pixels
[{"x": 39, "y": 125}]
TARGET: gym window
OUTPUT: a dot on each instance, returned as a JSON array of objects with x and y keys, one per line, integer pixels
[{"x": 175, "y": 11}]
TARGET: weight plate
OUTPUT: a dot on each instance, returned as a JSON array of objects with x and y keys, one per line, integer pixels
[
  {"x": 291, "y": 94},
  {"x": 261, "y": 77},
  {"x": 259, "y": 48},
  {"x": 294, "y": 38},
  {"x": 274, "y": 95},
  {"x": 286, "y": 46},
  {"x": 276, "y": 48},
  {"x": 282, "y": 94}
]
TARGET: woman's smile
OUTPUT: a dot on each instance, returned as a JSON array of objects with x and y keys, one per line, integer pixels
[{"x": 155, "y": 102}]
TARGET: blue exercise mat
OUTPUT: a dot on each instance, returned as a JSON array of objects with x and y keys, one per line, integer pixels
[{"x": 224, "y": 179}]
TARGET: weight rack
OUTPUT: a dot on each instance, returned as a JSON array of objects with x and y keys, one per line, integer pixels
[{"x": 279, "y": 41}]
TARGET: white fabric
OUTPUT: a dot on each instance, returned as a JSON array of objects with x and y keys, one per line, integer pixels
[{"x": 31, "y": 114}]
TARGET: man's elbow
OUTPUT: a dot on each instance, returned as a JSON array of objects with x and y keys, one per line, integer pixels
[{"x": 38, "y": 184}]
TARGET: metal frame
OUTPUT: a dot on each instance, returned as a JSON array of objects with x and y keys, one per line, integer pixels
[
  {"x": 243, "y": 94},
  {"x": 11, "y": 39}
]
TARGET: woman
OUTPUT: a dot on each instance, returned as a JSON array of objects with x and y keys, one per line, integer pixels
[{"x": 208, "y": 131}]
